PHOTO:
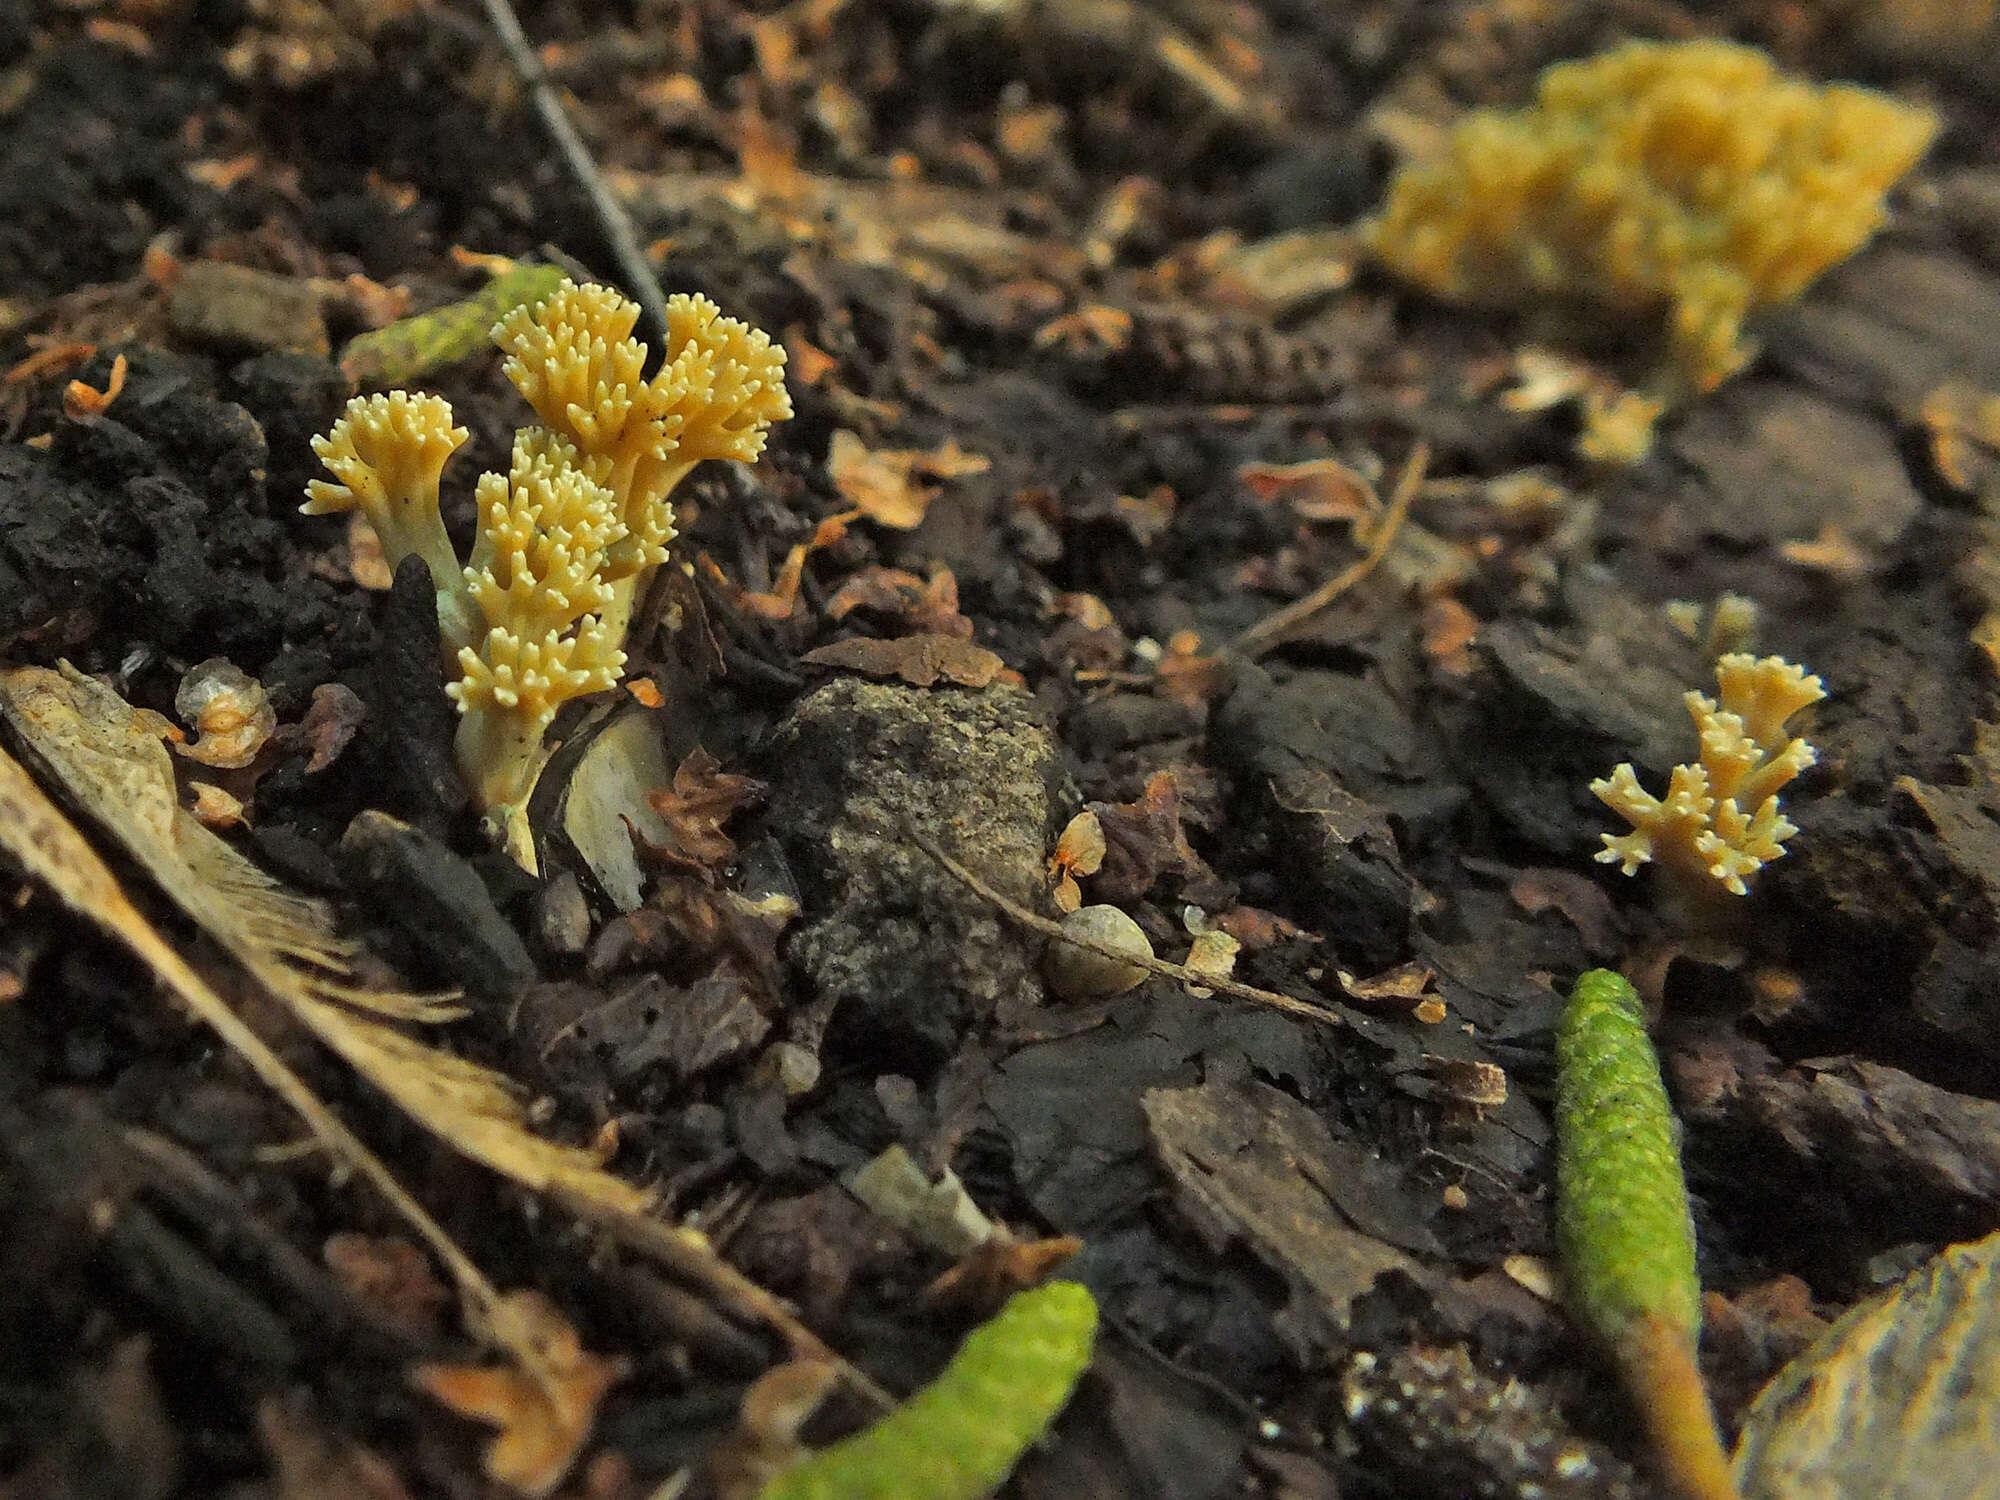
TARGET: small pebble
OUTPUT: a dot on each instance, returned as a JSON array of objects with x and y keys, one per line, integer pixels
[
  {"x": 562, "y": 916},
  {"x": 1081, "y": 974}
]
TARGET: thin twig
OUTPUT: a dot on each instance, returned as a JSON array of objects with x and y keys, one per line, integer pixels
[
  {"x": 633, "y": 266},
  {"x": 1265, "y": 634},
  {"x": 1276, "y": 999}
]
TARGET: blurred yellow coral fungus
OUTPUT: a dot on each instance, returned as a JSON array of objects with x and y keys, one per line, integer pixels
[
  {"x": 1719, "y": 822},
  {"x": 716, "y": 394},
  {"x": 1688, "y": 182},
  {"x": 580, "y": 520}
]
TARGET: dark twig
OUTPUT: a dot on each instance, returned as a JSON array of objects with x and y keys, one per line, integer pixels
[
  {"x": 1276, "y": 999},
  {"x": 633, "y": 266},
  {"x": 687, "y": 1254}
]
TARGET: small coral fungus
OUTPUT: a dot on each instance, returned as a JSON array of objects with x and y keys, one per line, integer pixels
[
  {"x": 1686, "y": 182},
  {"x": 569, "y": 535},
  {"x": 1719, "y": 822}
]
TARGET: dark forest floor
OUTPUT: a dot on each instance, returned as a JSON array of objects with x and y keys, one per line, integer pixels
[{"x": 1031, "y": 254}]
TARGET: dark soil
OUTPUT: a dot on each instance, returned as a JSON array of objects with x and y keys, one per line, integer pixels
[{"x": 1300, "y": 1232}]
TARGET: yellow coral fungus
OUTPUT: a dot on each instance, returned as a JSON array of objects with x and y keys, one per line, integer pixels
[
  {"x": 543, "y": 533},
  {"x": 387, "y": 455},
  {"x": 1687, "y": 182},
  {"x": 718, "y": 390},
  {"x": 566, "y": 538},
  {"x": 1719, "y": 822}
]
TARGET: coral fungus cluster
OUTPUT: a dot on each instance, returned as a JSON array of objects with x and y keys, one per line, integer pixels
[
  {"x": 1719, "y": 822},
  {"x": 1689, "y": 182},
  {"x": 568, "y": 537}
]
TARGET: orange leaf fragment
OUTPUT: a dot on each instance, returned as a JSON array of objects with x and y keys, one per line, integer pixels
[
  {"x": 1079, "y": 851},
  {"x": 1320, "y": 489},
  {"x": 545, "y": 1416},
  {"x": 807, "y": 361},
  {"x": 904, "y": 598},
  {"x": 81, "y": 402},
  {"x": 895, "y": 486},
  {"x": 985, "y": 1278}
]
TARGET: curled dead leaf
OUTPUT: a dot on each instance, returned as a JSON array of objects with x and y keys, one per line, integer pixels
[
  {"x": 913, "y": 602},
  {"x": 1320, "y": 489},
  {"x": 337, "y": 712},
  {"x": 81, "y": 402},
  {"x": 980, "y": 1281},
  {"x": 1079, "y": 851},
  {"x": 703, "y": 798}
]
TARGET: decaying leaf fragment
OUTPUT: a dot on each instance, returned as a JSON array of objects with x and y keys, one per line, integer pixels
[
  {"x": 543, "y": 1423},
  {"x": 920, "y": 660},
  {"x": 1079, "y": 851},
  {"x": 895, "y": 486},
  {"x": 702, "y": 799}
]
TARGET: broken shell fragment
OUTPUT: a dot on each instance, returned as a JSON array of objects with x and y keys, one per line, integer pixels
[{"x": 1083, "y": 974}]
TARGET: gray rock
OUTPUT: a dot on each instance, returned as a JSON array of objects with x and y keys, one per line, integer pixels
[{"x": 911, "y": 957}]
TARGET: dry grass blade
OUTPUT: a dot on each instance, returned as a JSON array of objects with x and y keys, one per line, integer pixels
[
  {"x": 107, "y": 758},
  {"x": 112, "y": 764},
  {"x": 55, "y": 854}
]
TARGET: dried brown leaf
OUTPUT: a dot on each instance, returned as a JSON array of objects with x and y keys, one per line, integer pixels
[
  {"x": 980, "y": 1281},
  {"x": 702, "y": 799},
  {"x": 329, "y": 726},
  {"x": 895, "y": 486},
  {"x": 1257, "y": 929},
  {"x": 1320, "y": 489},
  {"x": 391, "y": 1275},
  {"x": 1143, "y": 841},
  {"x": 910, "y": 601},
  {"x": 920, "y": 660}
]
